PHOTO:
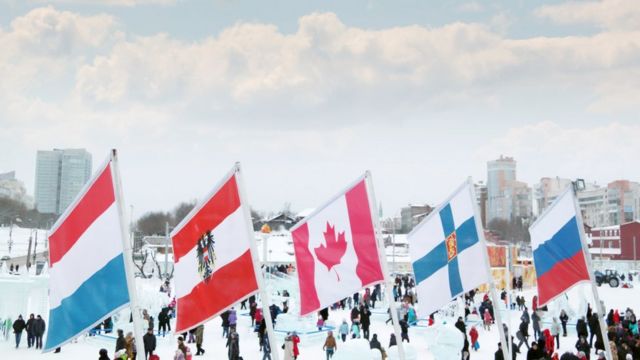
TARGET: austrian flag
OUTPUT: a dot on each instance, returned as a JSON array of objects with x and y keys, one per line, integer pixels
[
  {"x": 336, "y": 250},
  {"x": 213, "y": 262}
]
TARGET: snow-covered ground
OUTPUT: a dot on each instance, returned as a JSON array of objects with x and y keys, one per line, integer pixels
[{"x": 438, "y": 342}]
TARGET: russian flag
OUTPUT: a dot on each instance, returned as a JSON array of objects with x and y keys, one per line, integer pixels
[
  {"x": 87, "y": 280},
  {"x": 558, "y": 255}
]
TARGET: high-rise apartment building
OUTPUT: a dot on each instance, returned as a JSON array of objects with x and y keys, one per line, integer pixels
[
  {"x": 615, "y": 204},
  {"x": 507, "y": 198},
  {"x": 548, "y": 189},
  {"x": 60, "y": 175}
]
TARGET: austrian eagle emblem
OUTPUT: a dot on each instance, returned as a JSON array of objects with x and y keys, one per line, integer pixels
[{"x": 206, "y": 255}]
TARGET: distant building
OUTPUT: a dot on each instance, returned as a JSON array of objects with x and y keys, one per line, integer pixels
[
  {"x": 411, "y": 216},
  {"x": 14, "y": 189},
  {"x": 60, "y": 175},
  {"x": 615, "y": 204},
  {"x": 481, "y": 200},
  {"x": 548, "y": 189},
  {"x": 618, "y": 242},
  {"x": 507, "y": 198}
]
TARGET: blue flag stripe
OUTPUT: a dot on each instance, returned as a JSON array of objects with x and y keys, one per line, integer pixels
[
  {"x": 427, "y": 265},
  {"x": 467, "y": 235},
  {"x": 446, "y": 217},
  {"x": 563, "y": 245},
  {"x": 101, "y": 294},
  {"x": 455, "y": 282}
]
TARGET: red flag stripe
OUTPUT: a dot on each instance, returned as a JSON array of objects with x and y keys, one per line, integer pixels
[
  {"x": 222, "y": 204},
  {"x": 305, "y": 264},
  {"x": 562, "y": 277},
  {"x": 95, "y": 201},
  {"x": 363, "y": 235},
  {"x": 225, "y": 287}
]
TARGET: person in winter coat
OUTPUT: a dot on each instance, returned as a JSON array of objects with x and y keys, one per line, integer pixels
[
  {"x": 404, "y": 330},
  {"x": 330, "y": 346},
  {"x": 296, "y": 340},
  {"x": 288, "y": 348},
  {"x": 163, "y": 321},
  {"x": 488, "y": 319},
  {"x": 103, "y": 354},
  {"x": 120, "y": 341},
  {"x": 183, "y": 352},
  {"x": 535, "y": 322},
  {"x": 555, "y": 332},
  {"x": 564, "y": 319},
  {"x": 549, "y": 342},
  {"x": 498, "y": 354},
  {"x": 199, "y": 339},
  {"x": 233, "y": 319},
  {"x": 233, "y": 343},
  {"x": 365, "y": 321},
  {"x": 616, "y": 317},
  {"x": 374, "y": 343},
  {"x": 525, "y": 316},
  {"x": 149, "y": 341},
  {"x": 473, "y": 335},
  {"x": 18, "y": 327},
  {"x": 29, "y": 327},
  {"x": 39, "y": 327},
  {"x": 225, "y": 323},
  {"x": 265, "y": 347},
  {"x": 581, "y": 328},
  {"x": 460, "y": 325},
  {"x": 392, "y": 340},
  {"x": 583, "y": 345},
  {"x": 355, "y": 330},
  {"x": 130, "y": 345},
  {"x": 594, "y": 327},
  {"x": 535, "y": 353},
  {"x": 523, "y": 335},
  {"x": 344, "y": 330}
]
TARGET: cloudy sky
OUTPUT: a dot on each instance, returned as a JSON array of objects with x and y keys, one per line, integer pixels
[{"x": 310, "y": 94}]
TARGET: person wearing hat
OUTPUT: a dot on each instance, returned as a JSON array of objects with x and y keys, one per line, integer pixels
[{"x": 103, "y": 354}]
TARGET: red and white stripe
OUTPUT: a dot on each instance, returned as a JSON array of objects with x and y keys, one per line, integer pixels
[{"x": 233, "y": 276}]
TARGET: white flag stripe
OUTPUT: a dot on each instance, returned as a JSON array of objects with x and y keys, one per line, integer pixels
[
  {"x": 93, "y": 250},
  {"x": 563, "y": 211},
  {"x": 230, "y": 243},
  {"x": 473, "y": 275},
  {"x": 337, "y": 215},
  {"x": 427, "y": 237},
  {"x": 434, "y": 290},
  {"x": 461, "y": 208}
]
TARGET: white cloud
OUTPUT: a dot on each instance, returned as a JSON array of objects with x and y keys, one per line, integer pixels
[{"x": 607, "y": 14}]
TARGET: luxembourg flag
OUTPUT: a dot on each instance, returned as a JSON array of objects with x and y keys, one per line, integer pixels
[
  {"x": 336, "y": 249},
  {"x": 447, "y": 251},
  {"x": 87, "y": 280},
  {"x": 558, "y": 255},
  {"x": 212, "y": 252}
]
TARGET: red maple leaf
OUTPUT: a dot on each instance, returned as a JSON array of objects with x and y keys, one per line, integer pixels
[{"x": 331, "y": 253}]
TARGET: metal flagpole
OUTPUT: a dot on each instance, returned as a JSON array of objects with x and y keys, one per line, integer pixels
[
  {"x": 385, "y": 270},
  {"x": 587, "y": 256},
  {"x": 492, "y": 287},
  {"x": 509, "y": 290},
  {"x": 128, "y": 258},
  {"x": 264, "y": 294}
]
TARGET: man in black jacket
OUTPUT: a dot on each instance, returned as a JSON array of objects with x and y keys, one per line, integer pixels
[
  {"x": 18, "y": 327},
  {"x": 149, "y": 341},
  {"x": 121, "y": 343},
  {"x": 29, "y": 327},
  {"x": 39, "y": 327}
]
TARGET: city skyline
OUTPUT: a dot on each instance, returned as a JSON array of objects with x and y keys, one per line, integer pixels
[{"x": 309, "y": 97}]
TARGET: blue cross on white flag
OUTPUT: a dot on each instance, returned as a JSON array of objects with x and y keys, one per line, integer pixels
[{"x": 447, "y": 253}]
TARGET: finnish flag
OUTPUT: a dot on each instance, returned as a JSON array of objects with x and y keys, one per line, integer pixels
[{"x": 447, "y": 251}]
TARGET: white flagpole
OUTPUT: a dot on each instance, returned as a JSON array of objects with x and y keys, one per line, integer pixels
[
  {"x": 492, "y": 286},
  {"x": 264, "y": 294},
  {"x": 385, "y": 269},
  {"x": 587, "y": 257},
  {"x": 128, "y": 258}
]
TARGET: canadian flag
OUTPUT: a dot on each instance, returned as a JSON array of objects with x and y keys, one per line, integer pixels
[
  {"x": 336, "y": 250},
  {"x": 212, "y": 254}
]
